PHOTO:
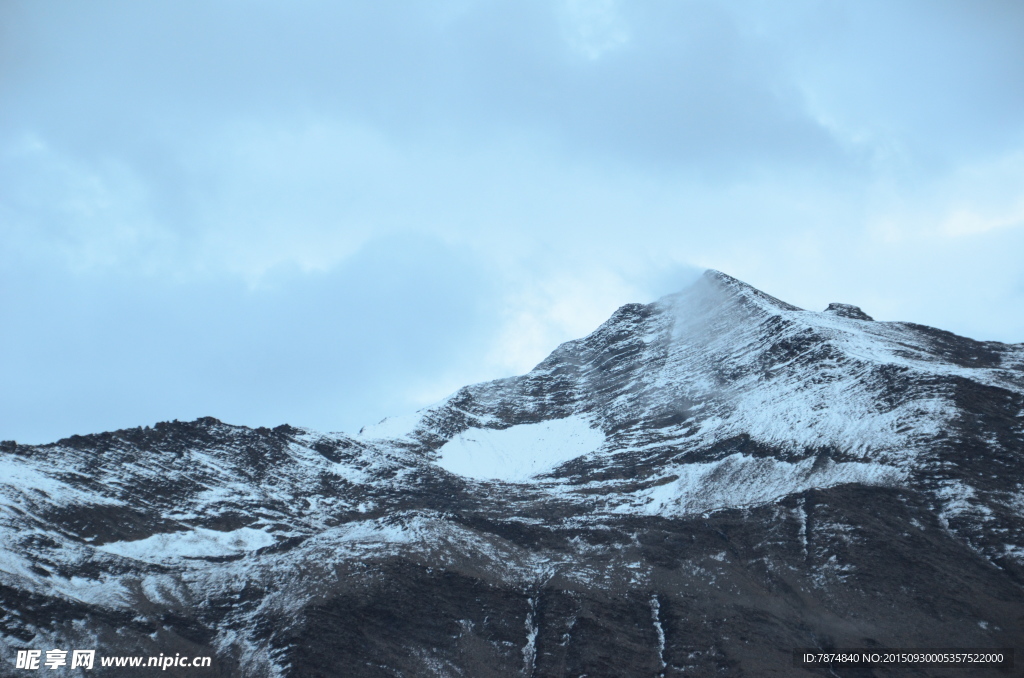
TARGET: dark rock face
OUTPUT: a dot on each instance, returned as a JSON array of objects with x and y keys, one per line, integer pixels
[
  {"x": 742, "y": 478},
  {"x": 847, "y": 311}
]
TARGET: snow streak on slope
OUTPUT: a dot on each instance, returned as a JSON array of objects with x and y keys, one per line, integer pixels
[
  {"x": 518, "y": 453},
  {"x": 197, "y": 543},
  {"x": 739, "y": 481}
]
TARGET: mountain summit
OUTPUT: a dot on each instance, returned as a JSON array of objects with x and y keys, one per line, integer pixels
[{"x": 700, "y": 486}]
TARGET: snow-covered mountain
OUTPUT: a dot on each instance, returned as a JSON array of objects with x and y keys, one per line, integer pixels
[{"x": 698, "y": 487}]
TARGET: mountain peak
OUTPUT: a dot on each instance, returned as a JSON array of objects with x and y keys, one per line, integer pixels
[{"x": 733, "y": 287}]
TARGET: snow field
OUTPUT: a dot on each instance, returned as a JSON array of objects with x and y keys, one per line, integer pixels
[{"x": 518, "y": 453}]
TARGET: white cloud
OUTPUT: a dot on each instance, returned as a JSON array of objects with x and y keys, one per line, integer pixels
[{"x": 559, "y": 160}]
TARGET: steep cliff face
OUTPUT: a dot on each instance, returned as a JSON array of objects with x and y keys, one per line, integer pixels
[{"x": 697, "y": 488}]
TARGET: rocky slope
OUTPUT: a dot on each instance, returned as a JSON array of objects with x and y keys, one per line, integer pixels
[{"x": 697, "y": 488}]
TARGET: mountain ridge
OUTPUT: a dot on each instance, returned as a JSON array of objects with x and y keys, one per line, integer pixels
[{"x": 752, "y": 478}]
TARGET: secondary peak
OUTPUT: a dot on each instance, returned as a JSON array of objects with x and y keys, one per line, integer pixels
[{"x": 847, "y": 311}]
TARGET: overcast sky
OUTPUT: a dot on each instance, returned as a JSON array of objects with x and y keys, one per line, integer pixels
[{"x": 323, "y": 213}]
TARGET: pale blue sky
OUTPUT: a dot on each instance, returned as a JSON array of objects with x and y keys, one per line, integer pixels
[{"x": 322, "y": 213}]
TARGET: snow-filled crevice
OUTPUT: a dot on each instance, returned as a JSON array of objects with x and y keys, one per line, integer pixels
[
  {"x": 530, "y": 649},
  {"x": 656, "y": 618},
  {"x": 801, "y": 514}
]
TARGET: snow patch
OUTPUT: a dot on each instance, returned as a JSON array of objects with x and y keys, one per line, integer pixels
[
  {"x": 197, "y": 543},
  {"x": 741, "y": 481},
  {"x": 521, "y": 452},
  {"x": 21, "y": 480}
]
